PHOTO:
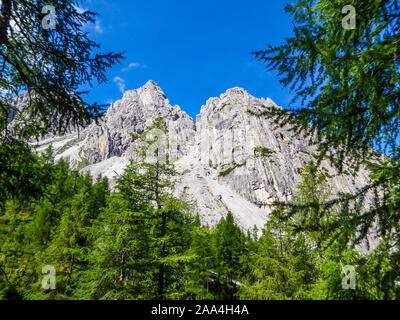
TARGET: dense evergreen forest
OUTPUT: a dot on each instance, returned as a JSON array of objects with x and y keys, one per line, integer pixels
[{"x": 139, "y": 242}]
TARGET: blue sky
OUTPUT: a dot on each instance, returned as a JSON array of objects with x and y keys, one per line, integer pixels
[{"x": 193, "y": 49}]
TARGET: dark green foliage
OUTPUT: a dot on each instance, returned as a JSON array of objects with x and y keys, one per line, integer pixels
[
  {"x": 217, "y": 261},
  {"x": 46, "y": 69},
  {"x": 118, "y": 253},
  {"x": 229, "y": 243},
  {"x": 263, "y": 152},
  {"x": 140, "y": 243},
  {"x": 50, "y": 229},
  {"x": 299, "y": 257},
  {"x": 348, "y": 81},
  {"x": 229, "y": 170},
  {"x": 143, "y": 235},
  {"x": 22, "y": 173},
  {"x": 199, "y": 265},
  {"x": 49, "y": 64}
]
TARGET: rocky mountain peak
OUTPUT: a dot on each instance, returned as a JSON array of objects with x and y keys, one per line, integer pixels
[
  {"x": 231, "y": 103},
  {"x": 149, "y": 95},
  {"x": 235, "y": 91}
]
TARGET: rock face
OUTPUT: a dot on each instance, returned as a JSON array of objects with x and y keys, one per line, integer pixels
[
  {"x": 19, "y": 114},
  {"x": 133, "y": 114},
  {"x": 231, "y": 159}
]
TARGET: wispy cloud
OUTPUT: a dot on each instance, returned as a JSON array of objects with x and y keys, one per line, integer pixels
[
  {"x": 120, "y": 83},
  {"x": 133, "y": 65},
  {"x": 97, "y": 27}
]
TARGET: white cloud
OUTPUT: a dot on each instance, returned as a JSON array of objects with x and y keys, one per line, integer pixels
[
  {"x": 120, "y": 83},
  {"x": 97, "y": 27},
  {"x": 132, "y": 65}
]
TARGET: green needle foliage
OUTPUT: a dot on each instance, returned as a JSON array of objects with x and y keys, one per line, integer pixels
[
  {"x": 295, "y": 258},
  {"x": 349, "y": 83},
  {"x": 41, "y": 73},
  {"x": 52, "y": 229},
  {"x": 50, "y": 65},
  {"x": 145, "y": 231},
  {"x": 139, "y": 241},
  {"x": 348, "y": 79}
]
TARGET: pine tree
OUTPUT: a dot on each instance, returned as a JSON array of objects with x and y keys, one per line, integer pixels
[
  {"x": 48, "y": 66},
  {"x": 348, "y": 81},
  {"x": 67, "y": 251},
  {"x": 295, "y": 251},
  {"x": 199, "y": 264},
  {"x": 154, "y": 228},
  {"x": 328, "y": 66},
  {"x": 119, "y": 253},
  {"x": 229, "y": 247}
]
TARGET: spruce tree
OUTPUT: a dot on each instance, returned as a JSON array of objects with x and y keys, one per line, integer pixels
[
  {"x": 229, "y": 244},
  {"x": 46, "y": 67},
  {"x": 295, "y": 246},
  {"x": 154, "y": 228},
  {"x": 346, "y": 80}
]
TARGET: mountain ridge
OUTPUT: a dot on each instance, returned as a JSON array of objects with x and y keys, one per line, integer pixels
[{"x": 231, "y": 159}]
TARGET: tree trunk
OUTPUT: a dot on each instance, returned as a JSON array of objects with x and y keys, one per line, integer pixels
[
  {"x": 5, "y": 16},
  {"x": 162, "y": 255},
  {"x": 122, "y": 272},
  {"x": 5, "y": 274},
  {"x": 71, "y": 263}
]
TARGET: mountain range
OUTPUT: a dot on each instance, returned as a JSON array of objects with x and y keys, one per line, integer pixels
[{"x": 231, "y": 159}]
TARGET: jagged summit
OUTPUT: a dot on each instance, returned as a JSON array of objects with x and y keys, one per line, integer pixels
[
  {"x": 148, "y": 95},
  {"x": 151, "y": 95},
  {"x": 149, "y": 85},
  {"x": 152, "y": 86},
  {"x": 234, "y": 98},
  {"x": 234, "y": 91}
]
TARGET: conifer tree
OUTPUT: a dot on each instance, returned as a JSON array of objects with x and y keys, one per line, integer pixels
[
  {"x": 154, "y": 228},
  {"x": 48, "y": 66},
  {"x": 199, "y": 264},
  {"x": 229, "y": 246},
  {"x": 286, "y": 263},
  {"x": 347, "y": 79}
]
